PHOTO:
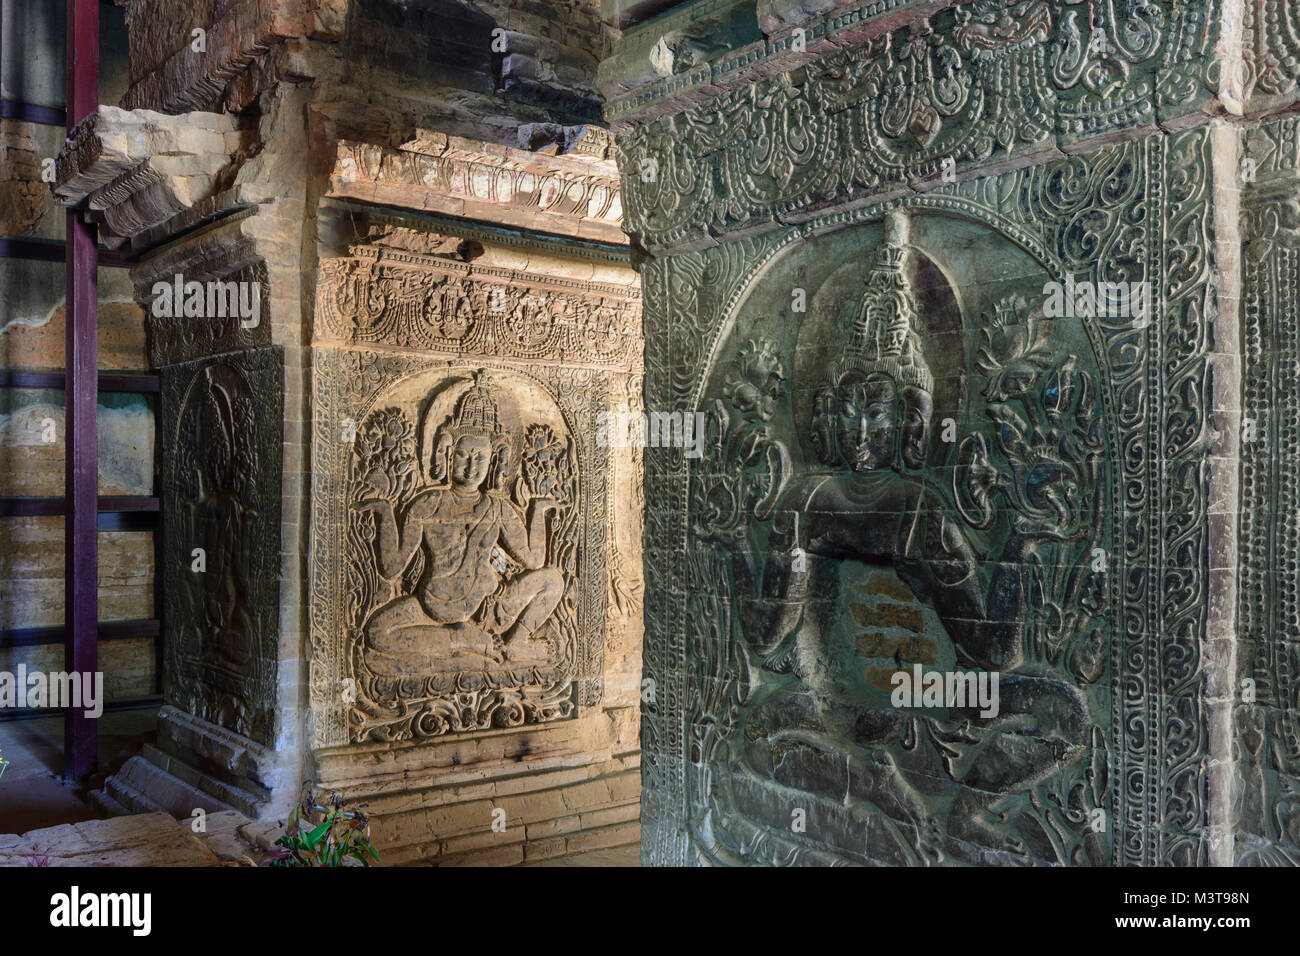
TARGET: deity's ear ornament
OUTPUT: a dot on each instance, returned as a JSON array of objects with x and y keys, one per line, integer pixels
[
  {"x": 440, "y": 466},
  {"x": 500, "y": 467},
  {"x": 822, "y": 432}
]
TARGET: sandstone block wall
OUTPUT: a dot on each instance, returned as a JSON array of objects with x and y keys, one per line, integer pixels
[{"x": 423, "y": 578}]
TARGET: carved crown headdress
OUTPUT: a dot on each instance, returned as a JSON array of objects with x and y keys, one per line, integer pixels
[
  {"x": 476, "y": 411},
  {"x": 883, "y": 336}
]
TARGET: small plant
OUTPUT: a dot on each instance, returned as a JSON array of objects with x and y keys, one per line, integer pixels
[
  {"x": 326, "y": 834},
  {"x": 37, "y": 859}
]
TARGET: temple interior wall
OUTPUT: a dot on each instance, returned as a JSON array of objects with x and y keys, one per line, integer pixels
[
  {"x": 854, "y": 222},
  {"x": 987, "y": 310}
]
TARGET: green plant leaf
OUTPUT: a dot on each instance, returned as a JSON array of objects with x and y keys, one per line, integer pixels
[{"x": 314, "y": 837}]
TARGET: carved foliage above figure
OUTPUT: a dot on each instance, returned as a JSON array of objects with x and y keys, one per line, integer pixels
[
  {"x": 221, "y": 503},
  {"x": 979, "y": 83}
]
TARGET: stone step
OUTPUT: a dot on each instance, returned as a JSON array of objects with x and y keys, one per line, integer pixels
[
  {"x": 230, "y": 795},
  {"x": 107, "y": 802},
  {"x": 143, "y": 786},
  {"x": 129, "y": 797}
]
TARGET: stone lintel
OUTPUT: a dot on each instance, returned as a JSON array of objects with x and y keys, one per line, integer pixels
[
  {"x": 137, "y": 171},
  {"x": 569, "y": 195}
]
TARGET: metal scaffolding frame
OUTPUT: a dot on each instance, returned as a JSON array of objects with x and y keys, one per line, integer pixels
[{"x": 85, "y": 512}]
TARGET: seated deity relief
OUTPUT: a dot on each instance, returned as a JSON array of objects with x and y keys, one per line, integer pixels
[
  {"x": 992, "y": 547},
  {"x": 216, "y": 497},
  {"x": 461, "y": 557}
]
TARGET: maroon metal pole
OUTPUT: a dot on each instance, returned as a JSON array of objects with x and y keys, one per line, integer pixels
[{"x": 81, "y": 440}]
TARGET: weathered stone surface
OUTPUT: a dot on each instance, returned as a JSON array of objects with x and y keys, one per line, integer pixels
[
  {"x": 148, "y": 839},
  {"x": 575, "y": 195},
  {"x": 135, "y": 171},
  {"x": 223, "y": 429},
  {"x": 445, "y": 551},
  {"x": 21, "y": 205},
  {"x": 851, "y": 259},
  {"x": 174, "y": 71}
]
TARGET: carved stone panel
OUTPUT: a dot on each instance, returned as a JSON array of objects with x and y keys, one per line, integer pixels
[
  {"x": 925, "y": 465},
  {"x": 900, "y": 105},
  {"x": 413, "y": 300},
  {"x": 222, "y": 449},
  {"x": 1266, "y": 737},
  {"x": 458, "y": 566}
]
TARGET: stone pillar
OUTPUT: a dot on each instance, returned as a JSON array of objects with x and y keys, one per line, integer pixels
[
  {"x": 961, "y": 293},
  {"x": 217, "y": 271},
  {"x": 459, "y": 382},
  {"x": 421, "y": 585}
]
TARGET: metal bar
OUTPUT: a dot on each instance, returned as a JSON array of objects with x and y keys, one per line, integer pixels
[
  {"x": 129, "y": 521},
  {"x": 134, "y": 383},
  {"x": 81, "y": 458},
  {"x": 53, "y": 250},
  {"x": 17, "y": 506},
  {"x": 11, "y": 507},
  {"x": 119, "y": 504},
  {"x": 46, "y": 250},
  {"x": 33, "y": 113},
  {"x": 108, "y": 631}
]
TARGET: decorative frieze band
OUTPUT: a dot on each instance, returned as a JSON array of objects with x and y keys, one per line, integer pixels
[
  {"x": 377, "y": 295},
  {"x": 573, "y": 195},
  {"x": 971, "y": 90}
]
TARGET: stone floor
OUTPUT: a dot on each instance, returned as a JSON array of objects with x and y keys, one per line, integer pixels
[
  {"x": 155, "y": 839},
  {"x": 146, "y": 839},
  {"x": 32, "y": 792},
  {"x": 45, "y": 822}
]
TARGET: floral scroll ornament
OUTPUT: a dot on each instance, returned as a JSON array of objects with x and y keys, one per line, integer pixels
[
  {"x": 744, "y": 447},
  {"x": 925, "y": 88},
  {"x": 545, "y": 472},
  {"x": 1047, "y": 462}
]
